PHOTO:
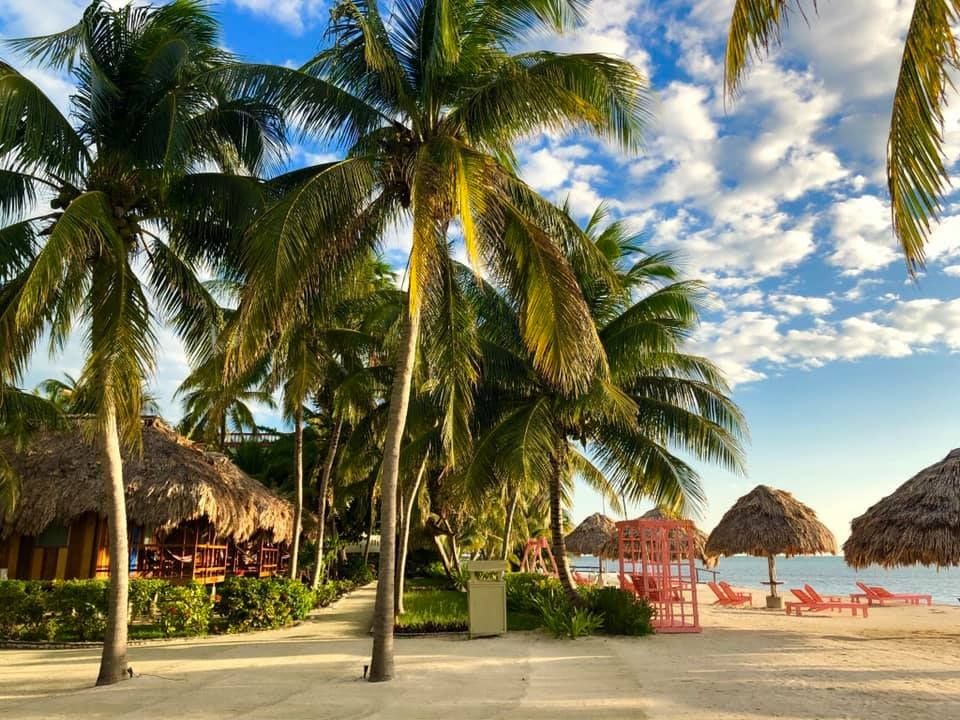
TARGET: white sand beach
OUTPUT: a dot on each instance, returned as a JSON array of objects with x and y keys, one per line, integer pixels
[{"x": 901, "y": 662}]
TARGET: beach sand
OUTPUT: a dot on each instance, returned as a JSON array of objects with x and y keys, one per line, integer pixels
[{"x": 747, "y": 664}]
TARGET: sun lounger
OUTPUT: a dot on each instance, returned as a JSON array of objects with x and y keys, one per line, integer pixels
[
  {"x": 722, "y": 598},
  {"x": 583, "y": 580},
  {"x": 880, "y": 595},
  {"x": 734, "y": 597},
  {"x": 817, "y": 597},
  {"x": 808, "y": 603}
]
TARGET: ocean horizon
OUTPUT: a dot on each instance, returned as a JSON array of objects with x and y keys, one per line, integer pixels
[{"x": 829, "y": 575}]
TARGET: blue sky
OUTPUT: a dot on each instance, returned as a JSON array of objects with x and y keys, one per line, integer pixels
[{"x": 844, "y": 367}]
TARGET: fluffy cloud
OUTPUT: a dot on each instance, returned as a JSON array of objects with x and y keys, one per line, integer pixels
[{"x": 294, "y": 15}]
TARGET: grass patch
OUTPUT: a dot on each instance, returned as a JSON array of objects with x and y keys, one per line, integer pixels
[{"x": 432, "y": 610}]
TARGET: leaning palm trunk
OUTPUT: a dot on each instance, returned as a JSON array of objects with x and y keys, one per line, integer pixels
[
  {"x": 508, "y": 529},
  {"x": 556, "y": 526},
  {"x": 298, "y": 482},
  {"x": 324, "y": 490},
  {"x": 113, "y": 661},
  {"x": 407, "y": 511},
  {"x": 381, "y": 664}
]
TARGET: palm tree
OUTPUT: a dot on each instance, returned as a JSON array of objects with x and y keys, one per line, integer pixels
[
  {"x": 427, "y": 106},
  {"x": 917, "y": 172},
  {"x": 214, "y": 403},
  {"x": 60, "y": 392},
  {"x": 620, "y": 434},
  {"x": 149, "y": 110}
]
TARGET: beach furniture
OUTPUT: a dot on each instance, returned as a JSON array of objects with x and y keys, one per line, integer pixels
[
  {"x": 728, "y": 599},
  {"x": 584, "y": 580},
  {"x": 734, "y": 597},
  {"x": 880, "y": 595},
  {"x": 805, "y": 602},
  {"x": 817, "y": 597}
]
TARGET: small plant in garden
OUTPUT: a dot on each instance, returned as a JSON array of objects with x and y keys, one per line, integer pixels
[
  {"x": 561, "y": 619},
  {"x": 621, "y": 613},
  {"x": 184, "y": 610},
  {"x": 81, "y": 606}
]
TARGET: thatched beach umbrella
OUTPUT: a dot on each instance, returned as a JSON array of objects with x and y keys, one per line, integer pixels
[
  {"x": 767, "y": 522},
  {"x": 918, "y": 523},
  {"x": 699, "y": 536},
  {"x": 592, "y": 537}
]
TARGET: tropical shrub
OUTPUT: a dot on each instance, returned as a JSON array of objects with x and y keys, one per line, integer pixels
[
  {"x": 620, "y": 611},
  {"x": 22, "y": 611},
  {"x": 80, "y": 608},
  {"x": 525, "y": 589},
  {"x": 144, "y": 596},
  {"x": 562, "y": 619},
  {"x": 256, "y": 604},
  {"x": 184, "y": 609}
]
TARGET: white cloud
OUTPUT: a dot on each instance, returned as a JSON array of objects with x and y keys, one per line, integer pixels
[
  {"x": 861, "y": 235},
  {"x": 294, "y": 15},
  {"x": 799, "y": 305}
]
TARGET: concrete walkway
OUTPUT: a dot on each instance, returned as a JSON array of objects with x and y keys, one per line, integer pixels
[{"x": 314, "y": 671}]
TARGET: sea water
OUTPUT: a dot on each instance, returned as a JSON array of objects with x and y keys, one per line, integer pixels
[{"x": 829, "y": 575}]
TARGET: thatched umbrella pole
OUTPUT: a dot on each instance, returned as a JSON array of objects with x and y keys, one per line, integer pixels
[
  {"x": 772, "y": 570},
  {"x": 765, "y": 523}
]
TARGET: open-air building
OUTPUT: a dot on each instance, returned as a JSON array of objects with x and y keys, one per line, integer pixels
[{"x": 192, "y": 514}]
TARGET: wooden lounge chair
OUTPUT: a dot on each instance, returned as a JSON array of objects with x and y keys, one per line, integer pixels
[
  {"x": 808, "y": 603},
  {"x": 734, "y": 597},
  {"x": 722, "y": 598},
  {"x": 880, "y": 595}
]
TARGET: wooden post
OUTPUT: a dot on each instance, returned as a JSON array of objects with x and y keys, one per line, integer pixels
[{"x": 774, "y": 601}]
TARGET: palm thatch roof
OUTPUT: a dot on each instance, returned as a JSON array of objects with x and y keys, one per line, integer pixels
[
  {"x": 767, "y": 521},
  {"x": 918, "y": 523},
  {"x": 172, "y": 481},
  {"x": 592, "y": 536}
]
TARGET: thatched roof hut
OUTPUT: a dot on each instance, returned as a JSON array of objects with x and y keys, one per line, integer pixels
[
  {"x": 592, "y": 536},
  {"x": 918, "y": 523},
  {"x": 768, "y": 522},
  {"x": 699, "y": 536},
  {"x": 171, "y": 482}
]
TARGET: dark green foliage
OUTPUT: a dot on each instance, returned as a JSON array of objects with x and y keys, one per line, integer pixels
[
  {"x": 144, "y": 595},
  {"x": 254, "y": 604},
  {"x": 621, "y": 613},
  {"x": 184, "y": 610},
  {"x": 22, "y": 611},
  {"x": 564, "y": 620},
  {"x": 359, "y": 572},
  {"x": 525, "y": 589},
  {"x": 80, "y": 607}
]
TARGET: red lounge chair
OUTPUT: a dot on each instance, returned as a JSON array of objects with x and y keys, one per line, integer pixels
[
  {"x": 734, "y": 597},
  {"x": 817, "y": 597},
  {"x": 724, "y": 599},
  {"x": 880, "y": 595},
  {"x": 583, "y": 580},
  {"x": 808, "y": 603}
]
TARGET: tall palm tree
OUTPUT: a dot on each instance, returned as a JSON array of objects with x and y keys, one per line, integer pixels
[
  {"x": 619, "y": 435},
  {"x": 917, "y": 172},
  {"x": 60, "y": 392},
  {"x": 427, "y": 105},
  {"x": 149, "y": 109}
]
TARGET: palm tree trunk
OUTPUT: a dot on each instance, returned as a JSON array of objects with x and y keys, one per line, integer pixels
[
  {"x": 556, "y": 525},
  {"x": 405, "y": 535},
  {"x": 113, "y": 661},
  {"x": 223, "y": 432},
  {"x": 381, "y": 663},
  {"x": 509, "y": 526},
  {"x": 444, "y": 558},
  {"x": 298, "y": 483},
  {"x": 324, "y": 490}
]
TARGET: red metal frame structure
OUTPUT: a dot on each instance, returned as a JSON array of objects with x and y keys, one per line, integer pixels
[
  {"x": 657, "y": 563},
  {"x": 533, "y": 560}
]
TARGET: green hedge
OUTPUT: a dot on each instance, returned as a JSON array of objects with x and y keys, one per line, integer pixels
[{"x": 76, "y": 610}]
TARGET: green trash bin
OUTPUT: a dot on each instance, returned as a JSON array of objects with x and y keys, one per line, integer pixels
[{"x": 487, "y": 597}]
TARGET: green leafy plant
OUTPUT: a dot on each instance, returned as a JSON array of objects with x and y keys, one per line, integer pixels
[
  {"x": 144, "y": 596},
  {"x": 562, "y": 619},
  {"x": 251, "y": 603},
  {"x": 80, "y": 607},
  {"x": 620, "y": 612},
  {"x": 184, "y": 610},
  {"x": 524, "y": 590}
]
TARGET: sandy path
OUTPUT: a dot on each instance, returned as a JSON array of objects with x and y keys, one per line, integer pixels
[{"x": 747, "y": 665}]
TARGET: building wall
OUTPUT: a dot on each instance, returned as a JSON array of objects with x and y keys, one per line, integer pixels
[{"x": 26, "y": 558}]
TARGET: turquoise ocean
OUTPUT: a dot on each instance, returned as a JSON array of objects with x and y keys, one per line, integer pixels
[{"x": 829, "y": 575}]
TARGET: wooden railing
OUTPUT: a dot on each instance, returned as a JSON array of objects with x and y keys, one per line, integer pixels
[
  {"x": 232, "y": 439},
  {"x": 187, "y": 561}
]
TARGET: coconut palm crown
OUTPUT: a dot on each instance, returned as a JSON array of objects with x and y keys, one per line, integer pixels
[{"x": 427, "y": 103}]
